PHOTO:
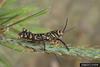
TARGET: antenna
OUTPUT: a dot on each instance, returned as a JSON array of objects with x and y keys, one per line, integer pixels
[{"x": 65, "y": 25}]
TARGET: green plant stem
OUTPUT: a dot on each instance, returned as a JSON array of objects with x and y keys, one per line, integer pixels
[{"x": 79, "y": 52}]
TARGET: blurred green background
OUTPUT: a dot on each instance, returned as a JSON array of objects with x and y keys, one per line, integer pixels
[{"x": 83, "y": 16}]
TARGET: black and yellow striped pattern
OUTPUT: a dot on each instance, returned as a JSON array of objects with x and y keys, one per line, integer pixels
[{"x": 52, "y": 36}]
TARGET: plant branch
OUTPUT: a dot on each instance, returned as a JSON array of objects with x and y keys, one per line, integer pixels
[{"x": 79, "y": 52}]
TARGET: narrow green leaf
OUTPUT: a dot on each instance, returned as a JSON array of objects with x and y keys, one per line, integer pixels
[
  {"x": 25, "y": 18},
  {"x": 9, "y": 19},
  {"x": 4, "y": 12}
]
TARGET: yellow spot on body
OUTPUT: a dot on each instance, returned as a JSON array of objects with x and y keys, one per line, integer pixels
[
  {"x": 25, "y": 35},
  {"x": 47, "y": 37},
  {"x": 30, "y": 36},
  {"x": 21, "y": 35}
]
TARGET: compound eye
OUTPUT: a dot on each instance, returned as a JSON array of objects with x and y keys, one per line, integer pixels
[{"x": 60, "y": 32}]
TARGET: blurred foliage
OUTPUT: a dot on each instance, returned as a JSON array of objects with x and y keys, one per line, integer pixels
[
  {"x": 4, "y": 62},
  {"x": 10, "y": 14}
]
